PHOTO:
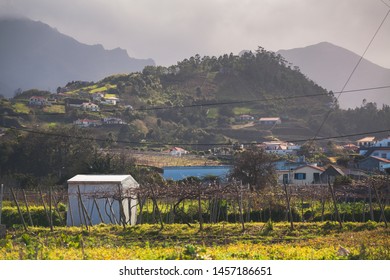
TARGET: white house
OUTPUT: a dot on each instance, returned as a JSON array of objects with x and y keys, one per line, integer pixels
[
  {"x": 88, "y": 106},
  {"x": 245, "y": 118},
  {"x": 303, "y": 175},
  {"x": 86, "y": 122},
  {"x": 280, "y": 147},
  {"x": 383, "y": 143},
  {"x": 113, "y": 121},
  {"x": 110, "y": 100},
  {"x": 176, "y": 151},
  {"x": 38, "y": 101},
  {"x": 366, "y": 142},
  {"x": 270, "y": 121},
  {"x": 95, "y": 199}
]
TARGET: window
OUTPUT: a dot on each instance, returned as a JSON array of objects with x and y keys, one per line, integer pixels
[
  {"x": 300, "y": 176},
  {"x": 384, "y": 155},
  {"x": 375, "y": 154}
]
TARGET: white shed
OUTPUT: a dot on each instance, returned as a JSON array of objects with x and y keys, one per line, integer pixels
[{"x": 101, "y": 199}]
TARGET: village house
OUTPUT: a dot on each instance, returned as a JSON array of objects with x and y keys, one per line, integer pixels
[
  {"x": 377, "y": 149},
  {"x": 89, "y": 106},
  {"x": 86, "y": 123},
  {"x": 280, "y": 147},
  {"x": 332, "y": 172},
  {"x": 366, "y": 142},
  {"x": 373, "y": 164},
  {"x": 176, "y": 151},
  {"x": 270, "y": 121},
  {"x": 245, "y": 118},
  {"x": 113, "y": 121},
  {"x": 38, "y": 101},
  {"x": 303, "y": 175},
  {"x": 110, "y": 100}
]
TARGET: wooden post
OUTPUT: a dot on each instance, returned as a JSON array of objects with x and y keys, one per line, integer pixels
[
  {"x": 383, "y": 216},
  {"x": 98, "y": 209},
  {"x": 44, "y": 206},
  {"x": 289, "y": 207},
  {"x": 335, "y": 204},
  {"x": 20, "y": 212},
  {"x": 50, "y": 210},
  {"x": 154, "y": 200},
  {"x": 28, "y": 211},
  {"x": 240, "y": 207},
  {"x": 70, "y": 213},
  {"x": 84, "y": 210}
]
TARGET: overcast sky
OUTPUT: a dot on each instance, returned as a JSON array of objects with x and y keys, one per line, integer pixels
[{"x": 171, "y": 30}]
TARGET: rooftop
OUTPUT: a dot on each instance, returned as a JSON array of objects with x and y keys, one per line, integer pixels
[{"x": 99, "y": 178}]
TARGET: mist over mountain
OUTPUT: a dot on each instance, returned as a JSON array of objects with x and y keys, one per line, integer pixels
[
  {"x": 330, "y": 66},
  {"x": 35, "y": 55}
]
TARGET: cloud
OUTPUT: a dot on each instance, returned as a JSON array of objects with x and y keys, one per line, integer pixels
[{"x": 171, "y": 30}]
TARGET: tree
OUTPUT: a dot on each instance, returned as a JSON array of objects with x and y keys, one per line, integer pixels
[{"x": 255, "y": 167}]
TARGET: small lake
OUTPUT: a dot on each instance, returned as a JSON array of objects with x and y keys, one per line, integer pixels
[{"x": 181, "y": 172}]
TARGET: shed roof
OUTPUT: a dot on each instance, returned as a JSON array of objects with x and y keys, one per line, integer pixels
[{"x": 99, "y": 178}]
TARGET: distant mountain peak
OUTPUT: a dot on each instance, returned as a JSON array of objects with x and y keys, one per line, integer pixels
[
  {"x": 330, "y": 66},
  {"x": 36, "y": 55}
]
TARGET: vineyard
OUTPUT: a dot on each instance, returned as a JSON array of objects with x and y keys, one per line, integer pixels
[{"x": 195, "y": 219}]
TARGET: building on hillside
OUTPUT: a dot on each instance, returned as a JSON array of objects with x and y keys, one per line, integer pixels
[
  {"x": 383, "y": 143},
  {"x": 89, "y": 106},
  {"x": 366, "y": 142},
  {"x": 280, "y": 147},
  {"x": 373, "y": 164},
  {"x": 245, "y": 118},
  {"x": 113, "y": 121},
  {"x": 95, "y": 199},
  {"x": 110, "y": 100},
  {"x": 270, "y": 121},
  {"x": 176, "y": 151},
  {"x": 38, "y": 101},
  {"x": 87, "y": 123}
]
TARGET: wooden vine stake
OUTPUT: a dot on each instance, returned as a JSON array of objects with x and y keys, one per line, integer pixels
[
  {"x": 19, "y": 211},
  {"x": 288, "y": 207},
  {"x": 28, "y": 210},
  {"x": 44, "y": 207},
  {"x": 335, "y": 204}
]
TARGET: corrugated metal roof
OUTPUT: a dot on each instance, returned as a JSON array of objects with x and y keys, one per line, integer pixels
[{"x": 99, "y": 178}]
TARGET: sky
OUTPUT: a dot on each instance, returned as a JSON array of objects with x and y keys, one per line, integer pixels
[{"x": 171, "y": 30}]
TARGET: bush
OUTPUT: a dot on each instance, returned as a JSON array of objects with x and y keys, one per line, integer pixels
[{"x": 10, "y": 216}]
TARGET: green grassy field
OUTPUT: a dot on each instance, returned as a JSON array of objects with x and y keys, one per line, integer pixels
[{"x": 222, "y": 241}]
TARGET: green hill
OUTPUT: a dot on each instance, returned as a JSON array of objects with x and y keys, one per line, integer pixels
[{"x": 200, "y": 100}]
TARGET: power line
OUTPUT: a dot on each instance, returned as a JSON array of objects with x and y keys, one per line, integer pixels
[
  {"x": 215, "y": 104},
  {"x": 353, "y": 72},
  {"x": 144, "y": 143}
]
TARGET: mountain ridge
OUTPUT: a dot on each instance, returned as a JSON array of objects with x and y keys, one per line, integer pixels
[
  {"x": 36, "y": 55},
  {"x": 330, "y": 66}
]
